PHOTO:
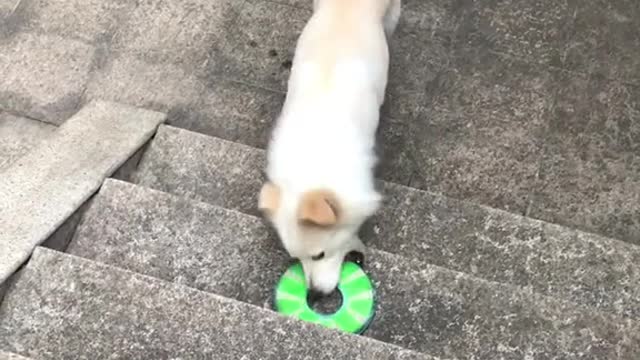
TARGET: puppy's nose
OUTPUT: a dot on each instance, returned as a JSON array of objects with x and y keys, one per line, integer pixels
[
  {"x": 356, "y": 257},
  {"x": 314, "y": 295}
]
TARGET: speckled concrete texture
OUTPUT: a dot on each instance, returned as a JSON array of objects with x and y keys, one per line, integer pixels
[
  {"x": 43, "y": 76},
  {"x": 595, "y": 37},
  {"x": 181, "y": 33},
  {"x": 18, "y": 135},
  {"x": 7, "y": 7},
  {"x": 63, "y": 307},
  {"x": 420, "y": 307},
  {"x": 492, "y": 244},
  {"x": 590, "y": 171},
  {"x": 463, "y": 140},
  {"x": 262, "y": 40},
  {"x": 231, "y": 177},
  {"x": 588, "y": 269},
  {"x": 11, "y": 356},
  {"x": 43, "y": 188},
  {"x": 206, "y": 104},
  {"x": 92, "y": 21},
  {"x": 476, "y": 88}
]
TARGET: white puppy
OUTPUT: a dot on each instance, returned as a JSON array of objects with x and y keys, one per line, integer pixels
[{"x": 321, "y": 156}]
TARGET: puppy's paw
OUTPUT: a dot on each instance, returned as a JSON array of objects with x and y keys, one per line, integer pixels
[{"x": 356, "y": 257}]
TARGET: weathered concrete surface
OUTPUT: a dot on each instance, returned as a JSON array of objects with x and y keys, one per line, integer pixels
[
  {"x": 585, "y": 268},
  {"x": 42, "y": 189},
  {"x": 18, "y": 135},
  {"x": 471, "y": 122},
  {"x": 261, "y": 43},
  {"x": 218, "y": 171},
  {"x": 188, "y": 32},
  {"x": 11, "y": 356},
  {"x": 458, "y": 137},
  {"x": 7, "y": 17},
  {"x": 63, "y": 307},
  {"x": 497, "y": 246},
  {"x": 476, "y": 88},
  {"x": 474, "y": 118},
  {"x": 591, "y": 37},
  {"x": 554, "y": 34},
  {"x": 421, "y": 307},
  {"x": 7, "y": 7},
  {"x": 43, "y": 76},
  {"x": 92, "y": 21},
  {"x": 213, "y": 106},
  {"x": 590, "y": 171}
]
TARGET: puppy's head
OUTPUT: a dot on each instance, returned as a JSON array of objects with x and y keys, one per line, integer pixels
[{"x": 318, "y": 228}]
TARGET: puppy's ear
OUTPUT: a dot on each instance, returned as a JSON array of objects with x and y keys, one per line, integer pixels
[
  {"x": 269, "y": 198},
  {"x": 318, "y": 208}
]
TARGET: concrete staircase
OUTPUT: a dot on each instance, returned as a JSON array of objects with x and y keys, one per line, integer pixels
[
  {"x": 64, "y": 307},
  {"x": 10, "y": 356},
  {"x": 169, "y": 260},
  {"x": 173, "y": 263}
]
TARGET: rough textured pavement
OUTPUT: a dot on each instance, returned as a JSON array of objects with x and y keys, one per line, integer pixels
[
  {"x": 528, "y": 106},
  {"x": 10, "y": 356},
  {"x": 485, "y": 242},
  {"x": 19, "y": 135},
  {"x": 419, "y": 306},
  {"x": 43, "y": 189},
  {"x": 92, "y": 311},
  {"x": 531, "y": 106}
]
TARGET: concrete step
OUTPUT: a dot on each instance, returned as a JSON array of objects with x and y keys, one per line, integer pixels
[
  {"x": 64, "y": 307},
  {"x": 11, "y": 356},
  {"x": 18, "y": 135},
  {"x": 42, "y": 189},
  {"x": 495, "y": 245},
  {"x": 420, "y": 307},
  {"x": 473, "y": 109}
]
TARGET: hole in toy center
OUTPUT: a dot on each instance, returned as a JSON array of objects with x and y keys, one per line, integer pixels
[{"x": 327, "y": 305}]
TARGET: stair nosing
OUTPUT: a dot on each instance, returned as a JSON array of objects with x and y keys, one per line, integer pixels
[
  {"x": 422, "y": 265},
  {"x": 443, "y": 196}
]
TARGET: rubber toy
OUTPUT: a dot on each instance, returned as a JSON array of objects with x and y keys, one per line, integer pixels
[{"x": 354, "y": 314}]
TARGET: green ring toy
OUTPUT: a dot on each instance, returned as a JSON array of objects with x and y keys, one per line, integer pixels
[{"x": 358, "y": 303}]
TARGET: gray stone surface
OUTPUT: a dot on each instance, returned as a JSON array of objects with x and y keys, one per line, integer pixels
[
  {"x": 460, "y": 137},
  {"x": 43, "y": 76},
  {"x": 127, "y": 79},
  {"x": 7, "y": 22},
  {"x": 11, "y": 356},
  {"x": 590, "y": 171},
  {"x": 593, "y": 37},
  {"x": 203, "y": 168},
  {"x": 63, "y": 307},
  {"x": 476, "y": 88},
  {"x": 86, "y": 20},
  {"x": 585, "y": 268},
  {"x": 564, "y": 149},
  {"x": 420, "y": 307},
  {"x": 261, "y": 43},
  {"x": 555, "y": 34},
  {"x": 60, "y": 238},
  {"x": 190, "y": 33},
  {"x": 7, "y": 8},
  {"x": 472, "y": 97},
  {"x": 18, "y": 135},
  {"x": 208, "y": 105},
  {"x": 42, "y": 189}
]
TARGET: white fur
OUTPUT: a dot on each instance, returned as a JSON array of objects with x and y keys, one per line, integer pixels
[{"x": 324, "y": 137}]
